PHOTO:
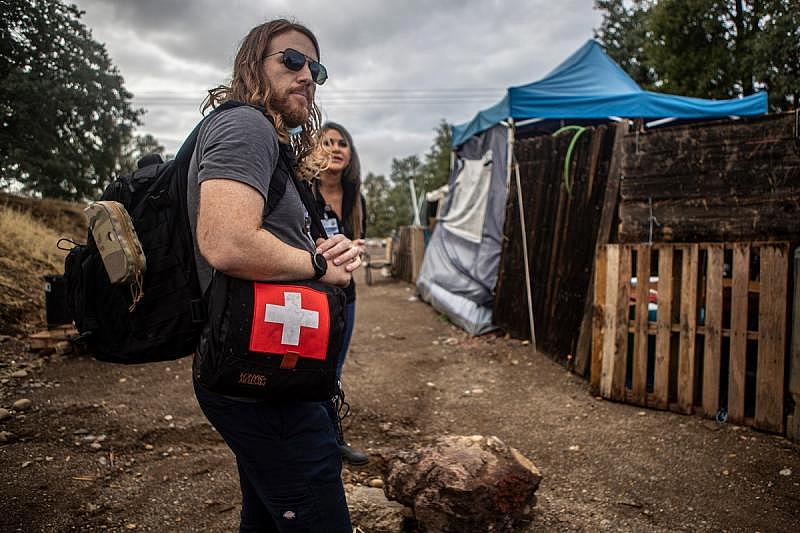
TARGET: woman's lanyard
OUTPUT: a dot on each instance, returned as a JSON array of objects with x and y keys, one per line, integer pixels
[{"x": 329, "y": 221}]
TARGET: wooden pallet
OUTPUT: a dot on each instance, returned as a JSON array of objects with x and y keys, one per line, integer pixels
[{"x": 718, "y": 340}]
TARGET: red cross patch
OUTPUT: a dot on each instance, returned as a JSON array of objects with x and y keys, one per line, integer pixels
[{"x": 290, "y": 319}]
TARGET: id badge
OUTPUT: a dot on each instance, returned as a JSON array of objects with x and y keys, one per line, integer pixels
[{"x": 331, "y": 227}]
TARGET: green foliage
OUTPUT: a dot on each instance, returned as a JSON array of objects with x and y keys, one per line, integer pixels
[
  {"x": 66, "y": 116},
  {"x": 707, "y": 48},
  {"x": 389, "y": 200},
  {"x": 623, "y": 33},
  {"x": 436, "y": 170}
]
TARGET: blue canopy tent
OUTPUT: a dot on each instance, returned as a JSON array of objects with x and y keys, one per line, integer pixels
[
  {"x": 459, "y": 271},
  {"x": 590, "y": 85}
]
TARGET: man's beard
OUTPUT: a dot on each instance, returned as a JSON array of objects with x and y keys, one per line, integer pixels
[{"x": 293, "y": 116}]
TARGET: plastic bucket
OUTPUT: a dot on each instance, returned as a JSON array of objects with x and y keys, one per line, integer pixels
[{"x": 55, "y": 297}]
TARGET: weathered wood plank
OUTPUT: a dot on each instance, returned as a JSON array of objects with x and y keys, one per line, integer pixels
[
  {"x": 793, "y": 420},
  {"x": 621, "y": 333},
  {"x": 728, "y": 180},
  {"x": 663, "y": 328},
  {"x": 607, "y": 214},
  {"x": 712, "y": 347},
  {"x": 771, "y": 338},
  {"x": 768, "y": 217},
  {"x": 639, "y": 382},
  {"x": 598, "y": 317},
  {"x": 610, "y": 319},
  {"x": 738, "y": 353},
  {"x": 688, "y": 320}
]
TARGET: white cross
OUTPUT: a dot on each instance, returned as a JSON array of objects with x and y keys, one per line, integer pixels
[{"x": 292, "y": 316}]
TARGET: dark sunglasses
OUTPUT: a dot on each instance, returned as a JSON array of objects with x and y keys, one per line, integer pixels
[
  {"x": 294, "y": 61},
  {"x": 331, "y": 143}
]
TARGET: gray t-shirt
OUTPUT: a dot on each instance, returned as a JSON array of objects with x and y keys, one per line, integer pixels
[{"x": 241, "y": 144}]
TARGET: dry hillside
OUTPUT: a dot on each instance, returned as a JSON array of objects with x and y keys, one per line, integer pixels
[{"x": 28, "y": 252}]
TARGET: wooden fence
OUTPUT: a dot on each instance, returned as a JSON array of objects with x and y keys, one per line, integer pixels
[
  {"x": 562, "y": 231},
  {"x": 698, "y": 327}
]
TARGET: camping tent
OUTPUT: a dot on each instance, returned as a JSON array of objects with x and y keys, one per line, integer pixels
[{"x": 459, "y": 270}]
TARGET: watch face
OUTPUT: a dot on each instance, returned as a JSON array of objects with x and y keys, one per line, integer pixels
[{"x": 320, "y": 264}]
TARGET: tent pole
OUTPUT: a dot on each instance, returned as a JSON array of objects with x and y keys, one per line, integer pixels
[{"x": 512, "y": 164}]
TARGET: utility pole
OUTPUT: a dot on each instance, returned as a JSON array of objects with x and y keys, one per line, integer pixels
[{"x": 412, "y": 189}]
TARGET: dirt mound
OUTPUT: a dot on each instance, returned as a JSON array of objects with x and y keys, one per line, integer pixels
[{"x": 30, "y": 230}]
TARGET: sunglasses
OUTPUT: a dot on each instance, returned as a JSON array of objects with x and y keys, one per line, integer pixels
[
  {"x": 294, "y": 61},
  {"x": 330, "y": 143}
]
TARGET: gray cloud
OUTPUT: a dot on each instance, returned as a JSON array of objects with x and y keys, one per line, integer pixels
[{"x": 397, "y": 68}]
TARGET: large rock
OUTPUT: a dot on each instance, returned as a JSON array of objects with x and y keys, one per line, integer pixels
[
  {"x": 464, "y": 484},
  {"x": 371, "y": 511}
]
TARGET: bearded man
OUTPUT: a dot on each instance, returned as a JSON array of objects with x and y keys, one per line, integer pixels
[{"x": 287, "y": 453}]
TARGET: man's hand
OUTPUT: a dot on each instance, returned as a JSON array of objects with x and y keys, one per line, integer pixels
[
  {"x": 337, "y": 275},
  {"x": 341, "y": 251}
]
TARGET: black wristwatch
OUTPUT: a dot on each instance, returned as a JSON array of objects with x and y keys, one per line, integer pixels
[{"x": 319, "y": 263}]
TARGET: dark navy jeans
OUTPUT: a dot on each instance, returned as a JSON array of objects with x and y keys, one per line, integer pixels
[
  {"x": 289, "y": 463},
  {"x": 350, "y": 320}
]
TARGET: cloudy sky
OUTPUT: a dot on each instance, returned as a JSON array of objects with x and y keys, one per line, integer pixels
[{"x": 396, "y": 68}]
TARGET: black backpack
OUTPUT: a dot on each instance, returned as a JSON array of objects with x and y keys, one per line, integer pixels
[{"x": 166, "y": 323}]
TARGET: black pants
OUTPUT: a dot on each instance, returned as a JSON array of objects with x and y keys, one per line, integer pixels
[{"x": 289, "y": 463}]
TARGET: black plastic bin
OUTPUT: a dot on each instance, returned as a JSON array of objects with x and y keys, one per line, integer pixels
[{"x": 55, "y": 297}]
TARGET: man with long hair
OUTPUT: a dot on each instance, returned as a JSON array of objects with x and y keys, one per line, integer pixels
[{"x": 287, "y": 453}]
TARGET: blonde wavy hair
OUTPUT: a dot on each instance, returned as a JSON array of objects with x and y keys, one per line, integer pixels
[{"x": 249, "y": 84}]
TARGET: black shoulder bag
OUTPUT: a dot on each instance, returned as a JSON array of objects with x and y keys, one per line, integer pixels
[{"x": 277, "y": 341}]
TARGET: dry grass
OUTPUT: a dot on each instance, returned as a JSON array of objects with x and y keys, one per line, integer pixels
[
  {"x": 28, "y": 252},
  {"x": 27, "y": 242}
]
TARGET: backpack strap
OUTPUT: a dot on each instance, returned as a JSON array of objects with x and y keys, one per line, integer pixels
[{"x": 277, "y": 187}]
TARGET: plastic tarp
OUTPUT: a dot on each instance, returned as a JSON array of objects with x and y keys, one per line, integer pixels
[
  {"x": 458, "y": 272},
  {"x": 467, "y": 210},
  {"x": 590, "y": 85}
]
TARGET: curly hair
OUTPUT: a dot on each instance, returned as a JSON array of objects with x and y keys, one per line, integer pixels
[{"x": 249, "y": 84}]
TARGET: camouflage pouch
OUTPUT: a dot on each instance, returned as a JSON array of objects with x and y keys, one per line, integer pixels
[{"x": 119, "y": 246}]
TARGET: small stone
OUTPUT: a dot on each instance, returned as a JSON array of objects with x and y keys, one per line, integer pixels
[
  {"x": 525, "y": 343},
  {"x": 22, "y": 404},
  {"x": 48, "y": 458},
  {"x": 430, "y": 384},
  {"x": 786, "y": 472},
  {"x": 19, "y": 374},
  {"x": 131, "y": 526},
  {"x": 515, "y": 362},
  {"x": 95, "y": 446},
  {"x": 102, "y": 461},
  {"x": 574, "y": 448},
  {"x": 26, "y": 464},
  {"x": 167, "y": 417},
  {"x": 477, "y": 391},
  {"x": 376, "y": 483},
  {"x": 123, "y": 380},
  {"x": 6, "y": 436},
  {"x": 4, "y": 413},
  {"x": 148, "y": 446},
  {"x": 641, "y": 413}
]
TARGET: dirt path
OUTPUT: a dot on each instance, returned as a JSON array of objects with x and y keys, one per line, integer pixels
[{"x": 115, "y": 448}]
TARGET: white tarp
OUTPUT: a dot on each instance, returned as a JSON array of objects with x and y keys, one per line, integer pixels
[{"x": 467, "y": 210}]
